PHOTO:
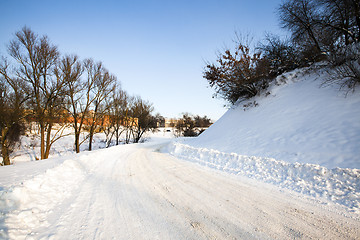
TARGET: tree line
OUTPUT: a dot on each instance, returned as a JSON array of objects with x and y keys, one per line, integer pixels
[
  {"x": 38, "y": 84},
  {"x": 320, "y": 30},
  {"x": 191, "y": 126}
]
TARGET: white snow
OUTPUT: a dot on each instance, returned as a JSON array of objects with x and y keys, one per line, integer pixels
[
  {"x": 339, "y": 185},
  {"x": 135, "y": 192},
  {"x": 27, "y": 204},
  {"x": 302, "y": 137},
  {"x": 298, "y": 122},
  {"x": 285, "y": 169}
]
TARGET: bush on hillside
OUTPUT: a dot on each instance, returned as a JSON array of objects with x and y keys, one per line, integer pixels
[
  {"x": 281, "y": 54},
  {"x": 238, "y": 75},
  {"x": 346, "y": 64}
]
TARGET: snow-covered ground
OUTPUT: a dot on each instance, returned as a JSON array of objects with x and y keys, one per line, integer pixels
[
  {"x": 29, "y": 150},
  {"x": 136, "y": 192},
  {"x": 285, "y": 169}
]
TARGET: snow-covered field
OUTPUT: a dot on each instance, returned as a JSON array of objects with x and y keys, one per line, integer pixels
[{"x": 285, "y": 169}]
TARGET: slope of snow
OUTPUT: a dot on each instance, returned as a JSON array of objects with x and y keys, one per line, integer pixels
[
  {"x": 298, "y": 122},
  {"x": 300, "y": 137}
]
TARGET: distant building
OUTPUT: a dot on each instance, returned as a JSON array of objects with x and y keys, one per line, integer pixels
[{"x": 170, "y": 122}]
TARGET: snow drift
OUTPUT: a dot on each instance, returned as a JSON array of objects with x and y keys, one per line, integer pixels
[
  {"x": 26, "y": 205},
  {"x": 338, "y": 185}
]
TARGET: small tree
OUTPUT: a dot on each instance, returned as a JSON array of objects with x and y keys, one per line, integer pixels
[
  {"x": 185, "y": 126},
  {"x": 160, "y": 120},
  {"x": 238, "y": 75},
  {"x": 202, "y": 122},
  {"x": 346, "y": 73},
  {"x": 143, "y": 120},
  {"x": 282, "y": 55},
  {"x": 119, "y": 112}
]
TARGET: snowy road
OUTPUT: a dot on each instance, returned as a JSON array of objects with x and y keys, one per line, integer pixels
[{"x": 136, "y": 192}]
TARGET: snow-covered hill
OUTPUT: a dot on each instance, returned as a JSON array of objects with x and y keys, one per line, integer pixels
[
  {"x": 301, "y": 136},
  {"x": 298, "y": 122}
]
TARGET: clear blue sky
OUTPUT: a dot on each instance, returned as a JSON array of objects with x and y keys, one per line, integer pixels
[{"x": 157, "y": 49}]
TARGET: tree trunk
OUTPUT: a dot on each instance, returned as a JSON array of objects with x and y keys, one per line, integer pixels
[
  {"x": 117, "y": 137},
  {"x": 48, "y": 142},
  {"x": 77, "y": 141},
  {"x": 47, "y": 152},
  {"x": 42, "y": 141},
  {"x": 4, "y": 147},
  {"x": 91, "y": 134},
  {"x": 5, "y": 154}
]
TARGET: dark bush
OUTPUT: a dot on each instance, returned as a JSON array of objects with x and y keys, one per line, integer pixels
[
  {"x": 282, "y": 55},
  {"x": 346, "y": 66},
  {"x": 238, "y": 75}
]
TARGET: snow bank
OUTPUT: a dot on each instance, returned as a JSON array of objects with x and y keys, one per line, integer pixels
[
  {"x": 26, "y": 205},
  {"x": 338, "y": 185}
]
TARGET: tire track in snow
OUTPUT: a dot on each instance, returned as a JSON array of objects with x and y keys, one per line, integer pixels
[
  {"x": 132, "y": 192},
  {"x": 254, "y": 208}
]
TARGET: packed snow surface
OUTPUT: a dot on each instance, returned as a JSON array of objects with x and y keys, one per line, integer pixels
[{"x": 137, "y": 192}]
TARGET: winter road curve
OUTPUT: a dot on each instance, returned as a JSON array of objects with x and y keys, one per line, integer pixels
[{"x": 136, "y": 192}]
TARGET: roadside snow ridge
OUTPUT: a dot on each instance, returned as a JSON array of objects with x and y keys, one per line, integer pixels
[
  {"x": 26, "y": 206},
  {"x": 338, "y": 185}
]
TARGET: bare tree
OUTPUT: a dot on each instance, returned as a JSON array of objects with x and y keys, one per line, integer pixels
[
  {"x": 129, "y": 120},
  {"x": 341, "y": 19},
  {"x": 37, "y": 58},
  {"x": 185, "y": 126},
  {"x": 141, "y": 111},
  {"x": 347, "y": 73},
  {"x": 108, "y": 121},
  {"x": 118, "y": 112},
  {"x": 12, "y": 98},
  {"x": 202, "y": 122},
  {"x": 302, "y": 17},
  {"x": 103, "y": 85},
  {"x": 321, "y": 26},
  {"x": 70, "y": 70}
]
